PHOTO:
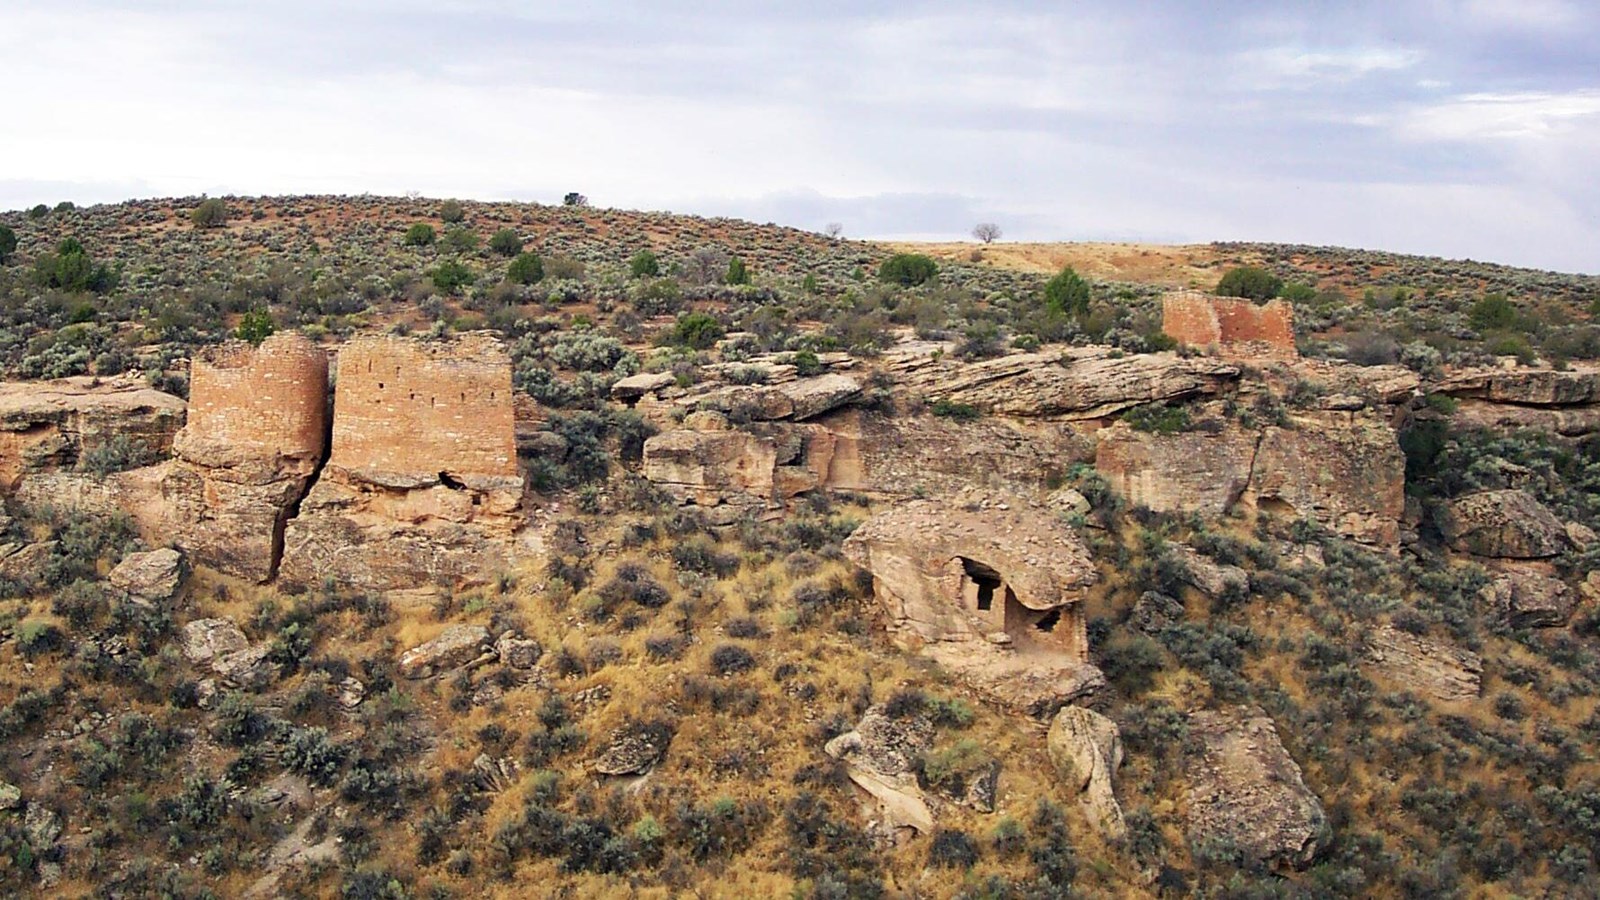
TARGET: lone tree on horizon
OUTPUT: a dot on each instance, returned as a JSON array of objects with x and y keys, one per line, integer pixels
[
  {"x": 834, "y": 229},
  {"x": 988, "y": 232},
  {"x": 574, "y": 198}
]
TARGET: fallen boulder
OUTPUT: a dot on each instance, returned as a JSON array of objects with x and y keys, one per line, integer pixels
[
  {"x": 1425, "y": 666},
  {"x": 1529, "y": 599},
  {"x": 881, "y": 754},
  {"x": 455, "y": 646},
  {"x": 1086, "y": 748},
  {"x": 153, "y": 575},
  {"x": 1247, "y": 793}
]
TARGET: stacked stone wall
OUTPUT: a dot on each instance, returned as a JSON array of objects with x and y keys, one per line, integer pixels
[
  {"x": 261, "y": 401},
  {"x": 413, "y": 409},
  {"x": 1201, "y": 320}
]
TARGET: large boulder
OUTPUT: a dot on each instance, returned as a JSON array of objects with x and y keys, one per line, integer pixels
[
  {"x": 153, "y": 575},
  {"x": 1504, "y": 524},
  {"x": 456, "y": 646},
  {"x": 881, "y": 756},
  {"x": 634, "y": 749},
  {"x": 1086, "y": 749},
  {"x": 219, "y": 645},
  {"x": 1210, "y": 577},
  {"x": 1246, "y": 792},
  {"x": 1425, "y": 666},
  {"x": 1525, "y": 598}
]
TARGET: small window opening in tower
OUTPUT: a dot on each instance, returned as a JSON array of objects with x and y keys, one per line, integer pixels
[
  {"x": 987, "y": 580},
  {"x": 1047, "y": 623}
]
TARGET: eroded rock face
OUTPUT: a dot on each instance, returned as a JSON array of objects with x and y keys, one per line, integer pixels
[
  {"x": 1245, "y": 789},
  {"x": 1506, "y": 524},
  {"x": 634, "y": 749},
  {"x": 219, "y": 645},
  {"x": 881, "y": 754},
  {"x": 1527, "y": 598},
  {"x": 422, "y": 486},
  {"x": 1342, "y": 469},
  {"x": 152, "y": 576},
  {"x": 75, "y": 422},
  {"x": 456, "y": 646},
  {"x": 1426, "y": 666},
  {"x": 1080, "y": 383},
  {"x": 1086, "y": 748},
  {"x": 991, "y": 589}
]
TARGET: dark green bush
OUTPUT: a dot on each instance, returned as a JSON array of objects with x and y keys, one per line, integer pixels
[
  {"x": 960, "y": 412},
  {"x": 1067, "y": 294},
  {"x": 644, "y": 264},
  {"x": 255, "y": 326},
  {"x": 451, "y": 276},
  {"x": 506, "y": 242},
  {"x": 737, "y": 273},
  {"x": 420, "y": 235},
  {"x": 908, "y": 269},
  {"x": 71, "y": 269},
  {"x": 1249, "y": 282},
  {"x": 210, "y": 213},
  {"x": 1158, "y": 418},
  {"x": 527, "y": 268},
  {"x": 8, "y": 243},
  {"x": 697, "y": 331},
  {"x": 1493, "y": 313}
]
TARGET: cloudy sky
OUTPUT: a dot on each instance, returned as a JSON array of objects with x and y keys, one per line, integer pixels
[{"x": 1463, "y": 128}]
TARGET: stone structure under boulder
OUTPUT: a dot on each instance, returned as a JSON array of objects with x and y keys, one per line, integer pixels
[
  {"x": 422, "y": 485},
  {"x": 991, "y": 589}
]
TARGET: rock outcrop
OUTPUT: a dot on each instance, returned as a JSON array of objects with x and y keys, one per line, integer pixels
[
  {"x": 152, "y": 576},
  {"x": 1086, "y": 748},
  {"x": 881, "y": 755},
  {"x": 422, "y": 485},
  {"x": 990, "y": 589},
  {"x": 83, "y": 423},
  {"x": 220, "y": 646},
  {"x": 1564, "y": 403},
  {"x": 1341, "y": 469},
  {"x": 1425, "y": 666},
  {"x": 456, "y": 646},
  {"x": 1080, "y": 383},
  {"x": 634, "y": 749},
  {"x": 1524, "y": 597},
  {"x": 1504, "y": 524},
  {"x": 1246, "y": 792}
]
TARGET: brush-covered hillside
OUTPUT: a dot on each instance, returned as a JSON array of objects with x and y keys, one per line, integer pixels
[{"x": 819, "y": 568}]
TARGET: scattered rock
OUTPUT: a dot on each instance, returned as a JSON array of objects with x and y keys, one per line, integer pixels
[
  {"x": 1426, "y": 666},
  {"x": 1086, "y": 748},
  {"x": 153, "y": 576},
  {"x": 634, "y": 749},
  {"x": 351, "y": 693},
  {"x": 494, "y": 775},
  {"x": 880, "y": 755},
  {"x": 1246, "y": 791},
  {"x": 1529, "y": 599},
  {"x": 518, "y": 652},
  {"x": 1210, "y": 577},
  {"x": 221, "y": 646},
  {"x": 42, "y": 826},
  {"x": 1505, "y": 524},
  {"x": 455, "y": 646},
  {"x": 10, "y": 796},
  {"x": 1154, "y": 611},
  {"x": 635, "y": 386}
]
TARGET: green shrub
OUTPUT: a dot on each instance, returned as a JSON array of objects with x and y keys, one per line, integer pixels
[
  {"x": 952, "y": 849},
  {"x": 506, "y": 242},
  {"x": 644, "y": 265},
  {"x": 38, "y": 212},
  {"x": 1493, "y": 313},
  {"x": 8, "y": 243},
  {"x": 807, "y": 364},
  {"x": 1067, "y": 293},
  {"x": 71, "y": 269},
  {"x": 451, "y": 212},
  {"x": 255, "y": 326},
  {"x": 35, "y": 637},
  {"x": 573, "y": 198},
  {"x": 527, "y": 268},
  {"x": 658, "y": 296},
  {"x": 960, "y": 412},
  {"x": 1157, "y": 418},
  {"x": 737, "y": 273},
  {"x": 461, "y": 239},
  {"x": 451, "y": 276},
  {"x": 210, "y": 213},
  {"x": 1298, "y": 292},
  {"x": 697, "y": 331},
  {"x": 908, "y": 269},
  {"x": 1250, "y": 283},
  {"x": 420, "y": 235}
]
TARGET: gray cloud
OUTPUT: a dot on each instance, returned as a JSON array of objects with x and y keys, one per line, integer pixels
[{"x": 1455, "y": 127}]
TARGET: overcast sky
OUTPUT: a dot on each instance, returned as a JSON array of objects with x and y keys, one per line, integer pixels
[{"x": 1463, "y": 128}]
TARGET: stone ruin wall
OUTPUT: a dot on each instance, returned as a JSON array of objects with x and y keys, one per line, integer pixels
[
  {"x": 410, "y": 409},
  {"x": 1202, "y": 320},
  {"x": 264, "y": 401}
]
